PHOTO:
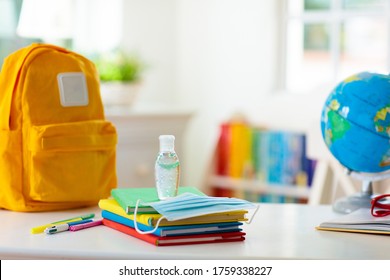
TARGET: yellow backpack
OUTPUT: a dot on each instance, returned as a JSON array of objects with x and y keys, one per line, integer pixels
[{"x": 57, "y": 151}]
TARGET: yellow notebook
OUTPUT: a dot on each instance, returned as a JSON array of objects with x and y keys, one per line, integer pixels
[{"x": 112, "y": 206}]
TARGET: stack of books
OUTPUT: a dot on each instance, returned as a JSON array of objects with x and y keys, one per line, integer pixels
[{"x": 118, "y": 214}]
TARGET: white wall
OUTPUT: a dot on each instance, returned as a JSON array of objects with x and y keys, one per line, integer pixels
[
  {"x": 97, "y": 25},
  {"x": 226, "y": 63},
  {"x": 149, "y": 30}
]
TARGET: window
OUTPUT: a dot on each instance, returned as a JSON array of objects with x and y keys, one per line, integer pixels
[
  {"x": 9, "y": 16},
  {"x": 329, "y": 40},
  {"x": 45, "y": 20}
]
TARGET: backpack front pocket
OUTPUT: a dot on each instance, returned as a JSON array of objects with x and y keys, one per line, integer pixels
[{"x": 72, "y": 162}]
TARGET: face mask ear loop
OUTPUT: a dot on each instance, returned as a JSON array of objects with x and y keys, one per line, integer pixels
[
  {"x": 253, "y": 215},
  {"x": 136, "y": 224}
]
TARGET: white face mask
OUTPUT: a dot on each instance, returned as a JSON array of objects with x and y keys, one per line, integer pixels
[{"x": 189, "y": 205}]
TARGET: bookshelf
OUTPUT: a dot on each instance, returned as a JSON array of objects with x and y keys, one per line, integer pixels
[
  {"x": 260, "y": 164},
  {"x": 259, "y": 187}
]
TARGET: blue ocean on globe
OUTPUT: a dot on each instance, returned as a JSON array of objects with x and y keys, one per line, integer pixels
[{"x": 355, "y": 122}]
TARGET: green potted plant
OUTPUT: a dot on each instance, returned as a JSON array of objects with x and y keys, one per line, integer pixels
[{"x": 120, "y": 77}]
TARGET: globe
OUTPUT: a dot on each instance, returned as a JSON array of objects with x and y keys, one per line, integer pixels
[{"x": 355, "y": 122}]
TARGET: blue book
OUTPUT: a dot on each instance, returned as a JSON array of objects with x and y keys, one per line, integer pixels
[
  {"x": 294, "y": 153},
  {"x": 176, "y": 230},
  {"x": 275, "y": 163}
]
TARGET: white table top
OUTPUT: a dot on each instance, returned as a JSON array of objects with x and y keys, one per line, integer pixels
[{"x": 278, "y": 231}]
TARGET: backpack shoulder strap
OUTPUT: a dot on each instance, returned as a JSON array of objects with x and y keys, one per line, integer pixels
[{"x": 9, "y": 77}]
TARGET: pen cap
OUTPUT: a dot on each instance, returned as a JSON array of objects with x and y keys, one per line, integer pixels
[{"x": 167, "y": 143}]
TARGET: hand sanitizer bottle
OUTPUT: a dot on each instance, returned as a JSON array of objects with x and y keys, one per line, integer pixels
[{"x": 167, "y": 168}]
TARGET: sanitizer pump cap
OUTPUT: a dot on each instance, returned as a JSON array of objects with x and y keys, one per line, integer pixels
[{"x": 167, "y": 143}]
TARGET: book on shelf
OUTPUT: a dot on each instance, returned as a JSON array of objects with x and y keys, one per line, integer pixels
[
  {"x": 359, "y": 221},
  {"x": 222, "y": 162},
  {"x": 177, "y": 240},
  {"x": 127, "y": 197},
  {"x": 222, "y": 165},
  {"x": 273, "y": 166},
  {"x": 176, "y": 230},
  {"x": 111, "y": 205},
  {"x": 240, "y": 156}
]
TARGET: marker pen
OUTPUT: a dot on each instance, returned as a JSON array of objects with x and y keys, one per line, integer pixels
[
  {"x": 85, "y": 225},
  {"x": 64, "y": 227}
]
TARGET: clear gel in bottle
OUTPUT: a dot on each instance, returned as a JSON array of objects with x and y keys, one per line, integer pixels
[{"x": 167, "y": 168}]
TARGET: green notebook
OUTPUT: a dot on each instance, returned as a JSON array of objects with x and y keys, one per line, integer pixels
[{"x": 127, "y": 197}]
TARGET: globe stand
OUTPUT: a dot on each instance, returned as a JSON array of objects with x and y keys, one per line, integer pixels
[{"x": 351, "y": 203}]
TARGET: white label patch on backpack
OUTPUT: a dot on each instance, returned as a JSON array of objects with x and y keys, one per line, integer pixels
[{"x": 73, "y": 89}]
